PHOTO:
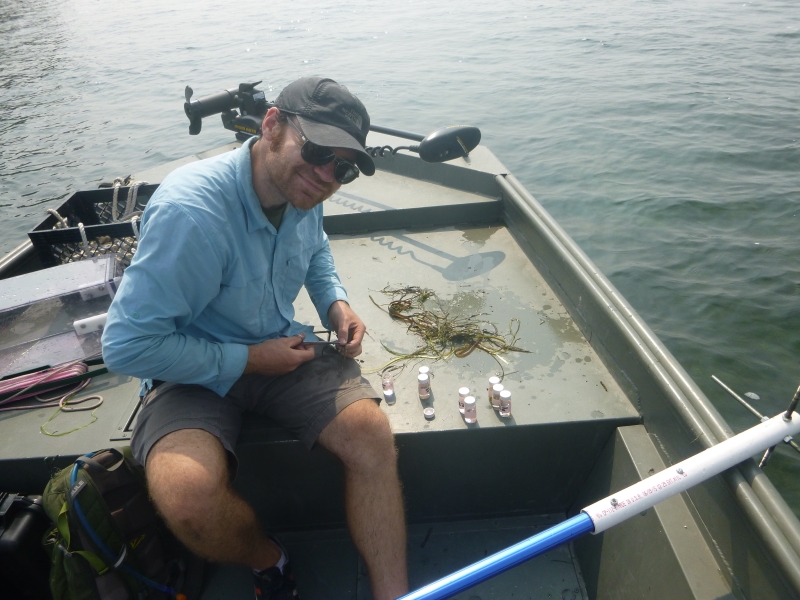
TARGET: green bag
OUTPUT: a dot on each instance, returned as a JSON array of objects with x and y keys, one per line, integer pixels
[{"x": 108, "y": 543}]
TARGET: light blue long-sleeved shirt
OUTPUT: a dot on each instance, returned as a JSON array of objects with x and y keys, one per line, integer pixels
[{"x": 211, "y": 276}]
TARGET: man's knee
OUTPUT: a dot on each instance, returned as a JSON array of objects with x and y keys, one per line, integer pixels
[
  {"x": 361, "y": 437},
  {"x": 185, "y": 471}
]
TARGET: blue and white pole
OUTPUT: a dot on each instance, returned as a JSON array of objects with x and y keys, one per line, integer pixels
[{"x": 621, "y": 506}]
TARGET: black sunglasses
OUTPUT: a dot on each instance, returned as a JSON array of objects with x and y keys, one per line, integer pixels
[{"x": 313, "y": 154}]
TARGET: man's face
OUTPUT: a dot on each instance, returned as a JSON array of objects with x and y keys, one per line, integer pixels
[{"x": 302, "y": 184}]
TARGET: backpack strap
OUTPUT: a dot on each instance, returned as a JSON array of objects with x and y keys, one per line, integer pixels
[
  {"x": 92, "y": 462},
  {"x": 63, "y": 528},
  {"x": 114, "y": 538},
  {"x": 76, "y": 485}
]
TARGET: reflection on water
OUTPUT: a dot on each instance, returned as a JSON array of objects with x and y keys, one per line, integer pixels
[
  {"x": 478, "y": 235},
  {"x": 465, "y": 303}
]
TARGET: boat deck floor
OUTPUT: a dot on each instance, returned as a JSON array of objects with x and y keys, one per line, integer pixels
[
  {"x": 480, "y": 274},
  {"x": 326, "y": 564}
]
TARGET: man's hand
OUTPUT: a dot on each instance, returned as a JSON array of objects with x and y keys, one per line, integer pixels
[
  {"x": 348, "y": 327},
  {"x": 278, "y": 357}
]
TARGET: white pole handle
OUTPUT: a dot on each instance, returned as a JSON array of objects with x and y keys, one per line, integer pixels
[{"x": 673, "y": 480}]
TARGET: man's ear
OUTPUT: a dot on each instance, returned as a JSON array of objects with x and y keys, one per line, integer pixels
[{"x": 269, "y": 122}]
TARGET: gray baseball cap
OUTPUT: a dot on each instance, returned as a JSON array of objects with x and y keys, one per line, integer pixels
[{"x": 329, "y": 115}]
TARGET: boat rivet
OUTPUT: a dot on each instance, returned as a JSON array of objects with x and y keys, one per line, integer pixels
[
  {"x": 614, "y": 502},
  {"x": 679, "y": 470}
]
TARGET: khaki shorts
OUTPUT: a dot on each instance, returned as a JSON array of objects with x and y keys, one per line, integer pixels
[{"x": 303, "y": 401}]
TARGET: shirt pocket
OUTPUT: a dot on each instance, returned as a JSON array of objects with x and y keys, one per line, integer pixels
[
  {"x": 240, "y": 303},
  {"x": 295, "y": 270}
]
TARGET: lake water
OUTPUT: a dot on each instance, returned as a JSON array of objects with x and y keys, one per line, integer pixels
[{"x": 663, "y": 135}]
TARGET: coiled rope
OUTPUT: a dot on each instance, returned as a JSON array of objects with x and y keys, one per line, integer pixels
[
  {"x": 130, "y": 202},
  {"x": 23, "y": 384}
]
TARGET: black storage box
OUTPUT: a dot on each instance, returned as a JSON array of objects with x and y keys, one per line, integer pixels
[
  {"x": 24, "y": 564},
  {"x": 94, "y": 209}
]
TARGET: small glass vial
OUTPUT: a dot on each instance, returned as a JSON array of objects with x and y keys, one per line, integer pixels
[
  {"x": 505, "y": 404},
  {"x": 470, "y": 414},
  {"x": 424, "y": 386},
  {"x": 497, "y": 389},
  {"x": 462, "y": 393},
  {"x": 492, "y": 382},
  {"x": 387, "y": 383}
]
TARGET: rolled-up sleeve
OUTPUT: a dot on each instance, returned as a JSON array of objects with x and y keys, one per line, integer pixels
[{"x": 176, "y": 272}]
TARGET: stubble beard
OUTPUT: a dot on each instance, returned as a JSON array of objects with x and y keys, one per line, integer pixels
[{"x": 284, "y": 174}]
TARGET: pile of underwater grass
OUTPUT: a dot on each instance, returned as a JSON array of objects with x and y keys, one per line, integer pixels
[{"x": 442, "y": 334}]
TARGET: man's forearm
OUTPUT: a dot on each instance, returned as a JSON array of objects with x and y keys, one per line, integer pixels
[
  {"x": 323, "y": 284},
  {"x": 174, "y": 357}
]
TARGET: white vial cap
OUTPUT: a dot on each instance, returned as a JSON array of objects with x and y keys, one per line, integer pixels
[
  {"x": 388, "y": 392},
  {"x": 429, "y": 413},
  {"x": 493, "y": 380},
  {"x": 497, "y": 387},
  {"x": 422, "y": 377},
  {"x": 424, "y": 370},
  {"x": 463, "y": 391},
  {"x": 469, "y": 400},
  {"x": 505, "y": 394}
]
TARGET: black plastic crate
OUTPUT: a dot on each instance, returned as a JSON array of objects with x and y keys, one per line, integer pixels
[
  {"x": 24, "y": 566},
  {"x": 58, "y": 245}
]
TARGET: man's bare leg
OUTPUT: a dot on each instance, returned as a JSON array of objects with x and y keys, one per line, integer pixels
[
  {"x": 361, "y": 437},
  {"x": 188, "y": 480}
]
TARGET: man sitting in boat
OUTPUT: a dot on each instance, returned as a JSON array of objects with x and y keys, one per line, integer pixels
[{"x": 204, "y": 316}]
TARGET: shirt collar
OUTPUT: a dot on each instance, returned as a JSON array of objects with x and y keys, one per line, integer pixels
[{"x": 247, "y": 194}]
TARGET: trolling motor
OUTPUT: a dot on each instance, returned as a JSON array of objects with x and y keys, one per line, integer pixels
[
  {"x": 250, "y": 102},
  {"x": 442, "y": 145},
  {"x": 447, "y": 143}
]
